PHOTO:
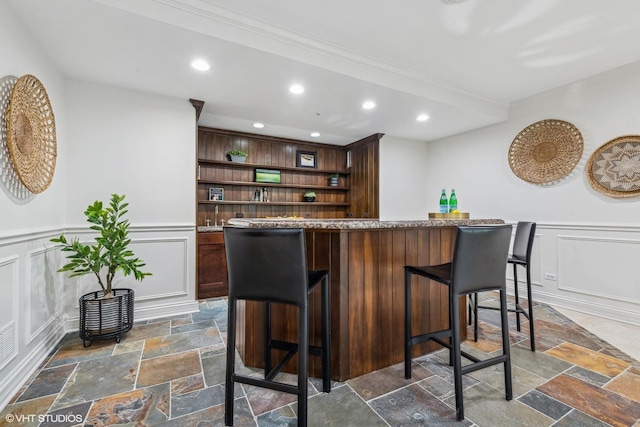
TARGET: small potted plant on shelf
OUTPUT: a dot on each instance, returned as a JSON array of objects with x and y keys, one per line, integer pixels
[
  {"x": 309, "y": 196},
  {"x": 238, "y": 156},
  {"x": 108, "y": 312},
  {"x": 333, "y": 179}
]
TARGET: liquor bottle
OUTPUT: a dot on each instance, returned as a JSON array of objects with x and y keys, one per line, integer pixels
[
  {"x": 453, "y": 201},
  {"x": 444, "y": 203}
]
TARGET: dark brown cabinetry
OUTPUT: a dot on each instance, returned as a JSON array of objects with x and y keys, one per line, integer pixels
[{"x": 212, "y": 266}]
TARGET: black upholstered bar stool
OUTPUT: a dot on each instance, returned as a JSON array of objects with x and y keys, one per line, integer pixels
[
  {"x": 521, "y": 256},
  {"x": 270, "y": 265},
  {"x": 479, "y": 264}
]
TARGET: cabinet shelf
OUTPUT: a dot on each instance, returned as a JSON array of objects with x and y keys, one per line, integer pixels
[
  {"x": 263, "y": 166},
  {"x": 267, "y": 184},
  {"x": 239, "y": 202}
]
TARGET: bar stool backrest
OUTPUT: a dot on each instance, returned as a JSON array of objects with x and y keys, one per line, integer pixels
[
  {"x": 523, "y": 242},
  {"x": 267, "y": 264},
  {"x": 480, "y": 258}
]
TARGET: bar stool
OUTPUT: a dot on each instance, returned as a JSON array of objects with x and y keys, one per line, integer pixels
[
  {"x": 270, "y": 265},
  {"x": 521, "y": 256},
  {"x": 479, "y": 264}
]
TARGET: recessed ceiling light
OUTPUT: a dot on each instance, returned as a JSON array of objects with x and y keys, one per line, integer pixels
[
  {"x": 315, "y": 134},
  {"x": 297, "y": 89},
  {"x": 368, "y": 105},
  {"x": 453, "y": 1},
  {"x": 258, "y": 125},
  {"x": 200, "y": 64},
  {"x": 422, "y": 118}
]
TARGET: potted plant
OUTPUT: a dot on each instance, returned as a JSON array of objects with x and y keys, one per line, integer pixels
[
  {"x": 108, "y": 312},
  {"x": 237, "y": 156},
  {"x": 333, "y": 179},
  {"x": 309, "y": 196}
]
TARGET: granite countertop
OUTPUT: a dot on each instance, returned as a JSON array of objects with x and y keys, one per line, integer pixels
[
  {"x": 353, "y": 224},
  {"x": 209, "y": 228}
]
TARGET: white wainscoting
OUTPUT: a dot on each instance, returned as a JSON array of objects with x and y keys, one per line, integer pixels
[
  {"x": 9, "y": 290},
  {"x": 39, "y": 305},
  {"x": 595, "y": 267}
]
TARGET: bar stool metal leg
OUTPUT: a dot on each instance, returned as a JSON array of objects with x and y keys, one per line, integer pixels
[
  {"x": 231, "y": 365},
  {"x": 532, "y": 336},
  {"x": 407, "y": 324},
  {"x": 326, "y": 338}
]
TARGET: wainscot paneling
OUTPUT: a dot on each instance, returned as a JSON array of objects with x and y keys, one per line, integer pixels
[
  {"x": 596, "y": 266},
  {"x": 8, "y": 314},
  {"x": 39, "y": 305},
  {"x": 590, "y": 268}
]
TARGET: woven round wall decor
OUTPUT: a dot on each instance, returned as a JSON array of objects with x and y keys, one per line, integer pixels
[
  {"x": 614, "y": 168},
  {"x": 8, "y": 176},
  {"x": 545, "y": 152},
  {"x": 31, "y": 133}
]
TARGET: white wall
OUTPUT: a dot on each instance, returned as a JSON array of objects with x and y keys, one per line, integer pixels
[
  {"x": 141, "y": 145},
  {"x": 402, "y": 177},
  {"x": 590, "y": 241},
  {"x": 31, "y": 311},
  {"x": 108, "y": 140}
]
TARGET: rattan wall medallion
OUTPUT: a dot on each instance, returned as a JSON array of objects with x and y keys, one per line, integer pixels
[
  {"x": 8, "y": 176},
  {"x": 31, "y": 133},
  {"x": 546, "y": 152},
  {"x": 614, "y": 168}
]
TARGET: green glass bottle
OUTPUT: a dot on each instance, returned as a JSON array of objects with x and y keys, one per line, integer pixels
[
  {"x": 453, "y": 201},
  {"x": 444, "y": 203}
]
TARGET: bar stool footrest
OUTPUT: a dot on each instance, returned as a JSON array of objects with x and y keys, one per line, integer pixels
[{"x": 273, "y": 385}]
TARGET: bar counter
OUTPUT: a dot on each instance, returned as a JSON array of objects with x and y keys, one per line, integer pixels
[{"x": 366, "y": 260}]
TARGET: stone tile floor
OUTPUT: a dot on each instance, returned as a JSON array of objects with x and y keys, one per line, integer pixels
[{"x": 171, "y": 372}]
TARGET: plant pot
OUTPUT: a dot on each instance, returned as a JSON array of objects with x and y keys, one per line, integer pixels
[
  {"x": 309, "y": 199},
  {"x": 238, "y": 159},
  {"x": 333, "y": 182},
  {"x": 104, "y": 318}
]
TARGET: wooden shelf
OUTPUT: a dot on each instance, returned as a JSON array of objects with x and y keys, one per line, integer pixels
[
  {"x": 227, "y": 202},
  {"x": 267, "y": 184},
  {"x": 262, "y": 166}
]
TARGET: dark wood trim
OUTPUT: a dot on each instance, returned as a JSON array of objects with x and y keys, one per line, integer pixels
[
  {"x": 364, "y": 141},
  {"x": 258, "y": 136},
  {"x": 198, "y": 105}
]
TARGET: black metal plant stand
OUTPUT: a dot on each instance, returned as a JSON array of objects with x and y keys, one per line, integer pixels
[{"x": 104, "y": 318}]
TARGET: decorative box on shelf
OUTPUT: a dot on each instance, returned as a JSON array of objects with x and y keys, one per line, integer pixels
[{"x": 449, "y": 215}]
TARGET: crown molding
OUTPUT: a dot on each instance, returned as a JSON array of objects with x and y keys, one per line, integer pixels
[{"x": 212, "y": 19}]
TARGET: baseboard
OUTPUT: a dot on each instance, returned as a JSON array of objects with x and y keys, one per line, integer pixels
[
  {"x": 18, "y": 376},
  {"x": 605, "y": 311}
]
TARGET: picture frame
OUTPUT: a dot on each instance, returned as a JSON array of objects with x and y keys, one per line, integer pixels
[
  {"x": 271, "y": 176},
  {"x": 306, "y": 159},
  {"x": 216, "y": 194}
]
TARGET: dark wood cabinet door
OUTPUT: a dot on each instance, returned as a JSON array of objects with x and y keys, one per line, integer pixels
[{"x": 212, "y": 266}]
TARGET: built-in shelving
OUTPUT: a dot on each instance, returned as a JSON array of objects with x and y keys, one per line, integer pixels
[
  {"x": 247, "y": 165},
  {"x": 237, "y": 179}
]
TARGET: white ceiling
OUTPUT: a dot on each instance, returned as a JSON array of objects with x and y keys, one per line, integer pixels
[{"x": 462, "y": 64}]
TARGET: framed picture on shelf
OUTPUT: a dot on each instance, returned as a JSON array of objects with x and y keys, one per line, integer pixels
[
  {"x": 216, "y": 194},
  {"x": 306, "y": 159},
  {"x": 268, "y": 175}
]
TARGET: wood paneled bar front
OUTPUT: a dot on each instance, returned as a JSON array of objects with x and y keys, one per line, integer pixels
[{"x": 366, "y": 260}]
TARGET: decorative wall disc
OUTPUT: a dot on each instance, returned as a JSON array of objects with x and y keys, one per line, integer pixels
[
  {"x": 8, "y": 176},
  {"x": 31, "y": 133},
  {"x": 546, "y": 151},
  {"x": 614, "y": 168}
]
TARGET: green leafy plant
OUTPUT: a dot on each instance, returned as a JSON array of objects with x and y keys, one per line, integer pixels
[
  {"x": 110, "y": 252},
  {"x": 238, "y": 153},
  {"x": 333, "y": 175},
  {"x": 310, "y": 194}
]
